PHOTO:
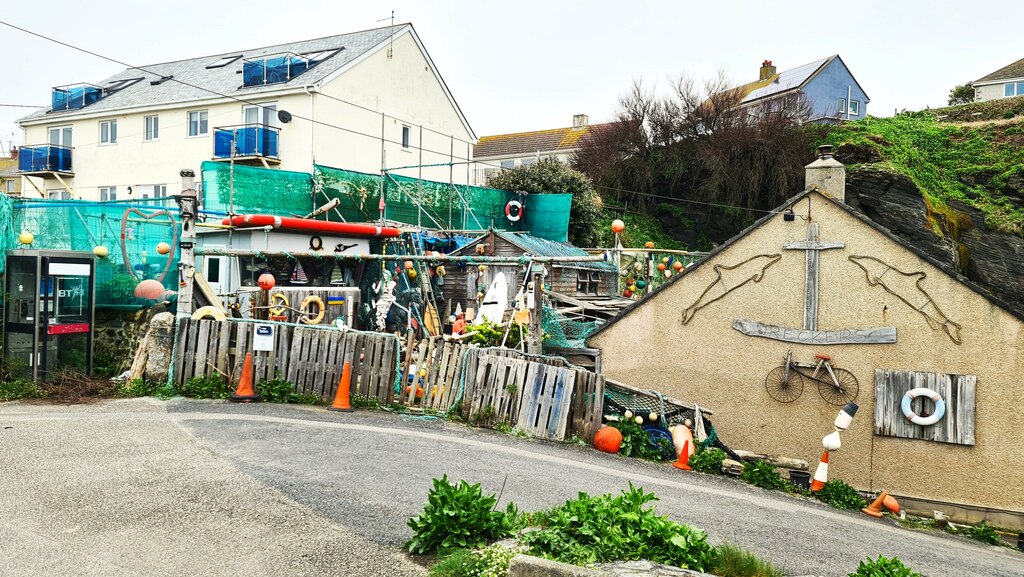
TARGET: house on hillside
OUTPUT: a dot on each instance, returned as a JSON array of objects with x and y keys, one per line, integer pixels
[
  {"x": 819, "y": 280},
  {"x": 587, "y": 282},
  {"x": 10, "y": 178},
  {"x": 361, "y": 101},
  {"x": 502, "y": 151},
  {"x": 827, "y": 85},
  {"x": 1003, "y": 83}
]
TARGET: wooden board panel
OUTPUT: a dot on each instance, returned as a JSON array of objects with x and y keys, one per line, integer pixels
[{"x": 956, "y": 391}]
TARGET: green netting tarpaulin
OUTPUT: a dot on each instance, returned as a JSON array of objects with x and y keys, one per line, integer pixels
[
  {"x": 424, "y": 203},
  {"x": 83, "y": 225},
  {"x": 547, "y": 216},
  {"x": 253, "y": 190}
]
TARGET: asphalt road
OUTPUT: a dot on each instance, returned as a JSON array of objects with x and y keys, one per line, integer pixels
[{"x": 206, "y": 488}]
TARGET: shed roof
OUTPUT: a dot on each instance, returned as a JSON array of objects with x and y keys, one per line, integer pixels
[
  {"x": 537, "y": 246},
  {"x": 1015, "y": 70}
]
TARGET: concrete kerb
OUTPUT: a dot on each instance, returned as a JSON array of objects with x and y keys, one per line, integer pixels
[{"x": 527, "y": 566}]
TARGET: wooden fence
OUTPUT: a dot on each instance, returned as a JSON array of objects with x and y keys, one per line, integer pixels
[
  {"x": 310, "y": 358},
  {"x": 545, "y": 396}
]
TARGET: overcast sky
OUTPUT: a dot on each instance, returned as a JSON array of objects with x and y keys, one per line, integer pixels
[{"x": 529, "y": 65}]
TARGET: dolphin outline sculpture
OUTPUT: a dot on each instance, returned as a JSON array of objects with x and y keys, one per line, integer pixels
[{"x": 701, "y": 302}]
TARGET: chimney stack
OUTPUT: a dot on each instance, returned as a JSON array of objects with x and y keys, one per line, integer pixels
[
  {"x": 579, "y": 121},
  {"x": 826, "y": 174},
  {"x": 767, "y": 70}
]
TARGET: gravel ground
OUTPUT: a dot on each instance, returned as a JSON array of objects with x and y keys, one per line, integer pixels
[{"x": 268, "y": 489}]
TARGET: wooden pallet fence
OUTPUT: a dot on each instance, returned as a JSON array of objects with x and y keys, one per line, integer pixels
[
  {"x": 587, "y": 406},
  {"x": 546, "y": 399},
  {"x": 310, "y": 358}
]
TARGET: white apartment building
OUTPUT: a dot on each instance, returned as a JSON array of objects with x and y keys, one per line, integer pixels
[{"x": 362, "y": 101}]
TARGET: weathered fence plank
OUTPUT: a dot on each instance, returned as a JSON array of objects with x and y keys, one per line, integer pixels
[{"x": 956, "y": 391}]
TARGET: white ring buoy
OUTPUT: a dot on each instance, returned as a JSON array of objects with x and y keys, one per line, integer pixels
[
  {"x": 209, "y": 312},
  {"x": 320, "y": 310},
  {"x": 937, "y": 414},
  {"x": 514, "y": 210}
]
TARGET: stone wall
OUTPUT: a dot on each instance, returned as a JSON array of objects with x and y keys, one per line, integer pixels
[{"x": 117, "y": 337}]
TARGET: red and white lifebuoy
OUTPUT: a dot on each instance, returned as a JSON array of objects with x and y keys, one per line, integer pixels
[{"x": 514, "y": 211}]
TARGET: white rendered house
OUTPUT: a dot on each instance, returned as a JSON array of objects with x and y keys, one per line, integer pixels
[{"x": 362, "y": 101}]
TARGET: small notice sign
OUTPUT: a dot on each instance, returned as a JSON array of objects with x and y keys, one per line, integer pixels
[{"x": 263, "y": 340}]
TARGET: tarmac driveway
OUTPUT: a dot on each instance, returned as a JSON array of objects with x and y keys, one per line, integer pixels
[{"x": 145, "y": 487}]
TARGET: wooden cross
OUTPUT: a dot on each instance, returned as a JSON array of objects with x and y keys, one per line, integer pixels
[{"x": 812, "y": 245}]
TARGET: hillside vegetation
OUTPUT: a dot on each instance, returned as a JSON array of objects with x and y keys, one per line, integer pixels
[{"x": 979, "y": 164}]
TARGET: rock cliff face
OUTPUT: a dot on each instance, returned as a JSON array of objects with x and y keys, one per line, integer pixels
[{"x": 954, "y": 235}]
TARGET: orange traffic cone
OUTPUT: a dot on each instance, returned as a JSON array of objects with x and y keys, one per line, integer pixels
[
  {"x": 244, "y": 392},
  {"x": 820, "y": 474},
  {"x": 341, "y": 400},
  {"x": 683, "y": 462},
  {"x": 891, "y": 504},
  {"x": 875, "y": 508}
]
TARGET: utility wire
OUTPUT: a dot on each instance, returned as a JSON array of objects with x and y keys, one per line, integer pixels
[{"x": 344, "y": 129}]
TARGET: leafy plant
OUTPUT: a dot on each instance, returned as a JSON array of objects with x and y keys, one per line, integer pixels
[
  {"x": 841, "y": 496},
  {"x": 636, "y": 442},
  {"x": 765, "y": 476},
  {"x": 457, "y": 516},
  {"x": 491, "y": 334},
  {"x": 883, "y": 567},
  {"x": 605, "y": 528},
  {"x": 494, "y": 561},
  {"x": 735, "y": 561},
  {"x": 707, "y": 461},
  {"x": 15, "y": 389},
  {"x": 276, "y": 390},
  {"x": 214, "y": 386},
  {"x": 134, "y": 388},
  {"x": 363, "y": 402},
  {"x": 982, "y": 532},
  {"x": 165, "y": 391}
]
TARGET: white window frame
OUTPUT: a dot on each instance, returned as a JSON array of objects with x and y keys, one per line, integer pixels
[
  {"x": 108, "y": 131},
  {"x": 854, "y": 107},
  {"x": 152, "y": 191},
  {"x": 199, "y": 123},
  {"x": 11, "y": 188},
  {"x": 266, "y": 114},
  {"x": 63, "y": 133},
  {"x": 108, "y": 193},
  {"x": 151, "y": 125},
  {"x": 1015, "y": 88},
  {"x": 58, "y": 194},
  {"x": 406, "y": 136},
  {"x": 842, "y": 106}
]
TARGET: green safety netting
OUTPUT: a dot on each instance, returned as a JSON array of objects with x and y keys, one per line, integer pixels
[
  {"x": 250, "y": 190},
  {"x": 426, "y": 203},
  {"x": 563, "y": 332},
  {"x": 84, "y": 225}
]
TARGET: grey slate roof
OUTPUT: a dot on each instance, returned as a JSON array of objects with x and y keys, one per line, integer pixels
[
  {"x": 788, "y": 79},
  {"x": 1015, "y": 70},
  {"x": 226, "y": 80}
]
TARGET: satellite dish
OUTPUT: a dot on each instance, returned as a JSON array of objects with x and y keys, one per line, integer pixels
[{"x": 284, "y": 116}]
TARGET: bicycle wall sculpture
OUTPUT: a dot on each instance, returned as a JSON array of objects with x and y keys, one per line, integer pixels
[{"x": 837, "y": 386}]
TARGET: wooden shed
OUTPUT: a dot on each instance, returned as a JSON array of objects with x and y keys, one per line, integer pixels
[{"x": 576, "y": 280}]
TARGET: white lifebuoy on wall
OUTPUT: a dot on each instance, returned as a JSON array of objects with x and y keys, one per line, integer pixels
[
  {"x": 937, "y": 414},
  {"x": 514, "y": 211}
]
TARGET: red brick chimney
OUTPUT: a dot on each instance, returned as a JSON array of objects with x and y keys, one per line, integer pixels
[{"x": 767, "y": 70}]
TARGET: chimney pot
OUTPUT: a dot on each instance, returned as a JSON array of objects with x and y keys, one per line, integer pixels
[
  {"x": 767, "y": 70},
  {"x": 826, "y": 174}
]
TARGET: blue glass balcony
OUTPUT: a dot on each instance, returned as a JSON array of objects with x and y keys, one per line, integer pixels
[
  {"x": 44, "y": 158},
  {"x": 74, "y": 97},
  {"x": 274, "y": 69},
  {"x": 243, "y": 142}
]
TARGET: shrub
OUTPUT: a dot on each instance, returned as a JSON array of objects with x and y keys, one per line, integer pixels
[
  {"x": 599, "y": 529},
  {"x": 764, "y": 475},
  {"x": 984, "y": 533},
  {"x": 457, "y": 516},
  {"x": 841, "y": 496},
  {"x": 707, "y": 461},
  {"x": 278, "y": 390},
  {"x": 364, "y": 402},
  {"x": 165, "y": 391},
  {"x": 883, "y": 567},
  {"x": 636, "y": 442},
  {"x": 734, "y": 561},
  {"x": 213, "y": 386},
  {"x": 20, "y": 389},
  {"x": 134, "y": 388}
]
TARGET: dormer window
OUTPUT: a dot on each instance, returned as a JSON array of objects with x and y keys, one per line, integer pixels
[
  {"x": 74, "y": 96},
  {"x": 278, "y": 68}
]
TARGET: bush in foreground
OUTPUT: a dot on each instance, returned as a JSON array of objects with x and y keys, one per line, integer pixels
[
  {"x": 883, "y": 567},
  {"x": 458, "y": 517}
]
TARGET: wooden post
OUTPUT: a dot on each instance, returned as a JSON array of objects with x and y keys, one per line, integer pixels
[
  {"x": 536, "y": 336},
  {"x": 187, "y": 203}
]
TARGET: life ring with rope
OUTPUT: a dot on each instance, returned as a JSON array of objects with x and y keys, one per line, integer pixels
[
  {"x": 514, "y": 211},
  {"x": 937, "y": 414},
  {"x": 278, "y": 304},
  {"x": 308, "y": 318},
  {"x": 209, "y": 312}
]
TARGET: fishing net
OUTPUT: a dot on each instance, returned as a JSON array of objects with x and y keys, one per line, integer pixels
[
  {"x": 252, "y": 190},
  {"x": 84, "y": 225},
  {"x": 563, "y": 332}
]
